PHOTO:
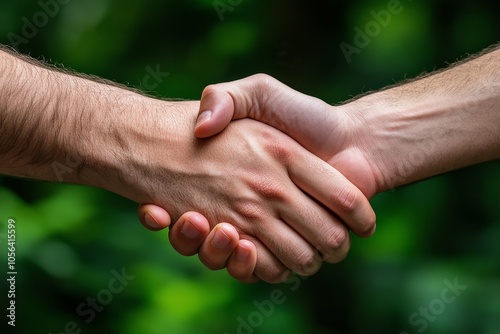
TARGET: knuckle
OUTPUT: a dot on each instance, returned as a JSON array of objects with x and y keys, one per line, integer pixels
[
  {"x": 340, "y": 253},
  {"x": 262, "y": 79},
  {"x": 249, "y": 210},
  {"x": 262, "y": 86},
  {"x": 368, "y": 228},
  {"x": 335, "y": 239},
  {"x": 307, "y": 263},
  {"x": 348, "y": 198},
  {"x": 270, "y": 189},
  {"x": 275, "y": 145},
  {"x": 208, "y": 90},
  {"x": 267, "y": 187}
]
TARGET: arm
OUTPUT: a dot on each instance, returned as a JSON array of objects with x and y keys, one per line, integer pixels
[
  {"x": 56, "y": 126},
  {"x": 443, "y": 121}
]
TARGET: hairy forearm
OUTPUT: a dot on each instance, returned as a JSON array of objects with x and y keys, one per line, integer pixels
[
  {"x": 46, "y": 117},
  {"x": 28, "y": 104},
  {"x": 58, "y": 126},
  {"x": 438, "y": 123}
]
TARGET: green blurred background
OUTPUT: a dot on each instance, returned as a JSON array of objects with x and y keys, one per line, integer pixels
[{"x": 430, "y": 234}]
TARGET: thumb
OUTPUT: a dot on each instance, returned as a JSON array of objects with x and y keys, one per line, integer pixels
[
  {"x": 216, "y": 111},
  {"x": 308, "y": 120},
  {"x": 228, "y": 101},
  {"x": 153, "y": 217}
]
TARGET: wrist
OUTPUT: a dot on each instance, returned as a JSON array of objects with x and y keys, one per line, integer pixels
[
  {"x": 139, "y": 136},
  {"x": 355, "y": 157},
  {"x": 429, "y": 126},
  {"x": 376, "y": 131},
  {"x": 401, "y": 134},
  {"x": 67, "y": 128}
]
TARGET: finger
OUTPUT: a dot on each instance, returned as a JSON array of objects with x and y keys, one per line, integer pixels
[
  {"x": 153, "y": 217},
  {"x": 246, "y": 268},
  {"x": 290, "y": 248},
  {"x": 263, "y": 98},
  {"x": 330, "y": 187},
  {"x": 327, "y": 236},
  {"x": 268, "y": 268},
  {"x": 188, "y": 233},
  {"x": 339, "y": 254},
  {"x": 223, "y": 102},
  {"x": 216, "y": 111},
  {"x": 242, "y": 262},
  {"x": 218, "y": 246}
]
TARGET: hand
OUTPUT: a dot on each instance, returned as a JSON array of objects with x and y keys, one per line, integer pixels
[
  {"x": 250, "y": 173},
  {"x": 323, "y": 130},
  {"x": 191, "y": 235},
  {"x": 437, "y": 123},
  {"x": 252, "y": 176},
  {"x": 329, "y": 132}
]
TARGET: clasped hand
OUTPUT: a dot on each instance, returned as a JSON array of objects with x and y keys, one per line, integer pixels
[{"x": 293, "y": 209}]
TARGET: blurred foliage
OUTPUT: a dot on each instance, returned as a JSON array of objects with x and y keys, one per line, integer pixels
[{"x": 71, "y": 238}]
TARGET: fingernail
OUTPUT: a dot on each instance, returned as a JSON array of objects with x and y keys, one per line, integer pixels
[
  {"x": 151, "y": 221},
  {"x": 220, "y": 240},
  {"x": 203, "y": 117},
  {"x": 242, "y": 255},
  {"x": 190, "y": 230}
]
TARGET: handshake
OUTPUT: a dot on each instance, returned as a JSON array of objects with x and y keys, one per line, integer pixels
[
  {"x": 286, "y": 199},
  {"x": 291, "y": 198},
  {"x": 272, "y": 181}
]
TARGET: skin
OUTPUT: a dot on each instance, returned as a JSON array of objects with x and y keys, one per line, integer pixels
[
  {"x": 440, "y": 122},
  {"x": 276, "y": 198}
]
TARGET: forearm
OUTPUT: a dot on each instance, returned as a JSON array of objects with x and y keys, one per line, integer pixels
[
  {"x": 28, "y": 107},
  {"x": 60, "y": 127},
  {"x": 433, "y": 125}
]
